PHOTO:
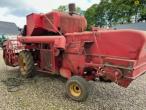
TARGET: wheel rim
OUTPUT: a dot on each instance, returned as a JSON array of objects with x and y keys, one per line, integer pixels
[
  {"x": 75, "y": 90},
  {"x": 22, "y": 65}
]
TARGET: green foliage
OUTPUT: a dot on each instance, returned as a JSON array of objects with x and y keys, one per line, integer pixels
[
  {"x": 143, "y": 13},
  {"x": 91, "y": 15},
  {"x": 111, "y": 12},
  {"x": 2, "y": 39},
  {"x": 62, "y": 8}
]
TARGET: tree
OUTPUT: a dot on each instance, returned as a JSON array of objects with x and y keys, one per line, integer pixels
[
  {"x": 143, "y": 14},
  {"x": 62, "y": 8},
  {"x": 91, "y": 15},
  {"x": 111, "y": 12},
  {"x": 143, "y": 11}
]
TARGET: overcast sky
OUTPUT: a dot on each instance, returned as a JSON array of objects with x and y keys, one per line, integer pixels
[{"x": 16, "y": 10}]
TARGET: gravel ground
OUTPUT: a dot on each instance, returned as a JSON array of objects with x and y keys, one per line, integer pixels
[{"x": 47, "y": 93}]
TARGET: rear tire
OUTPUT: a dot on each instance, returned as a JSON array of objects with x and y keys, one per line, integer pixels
[
  {"x": 26, "y": 64},
  {"x": 77, "y": 88}
]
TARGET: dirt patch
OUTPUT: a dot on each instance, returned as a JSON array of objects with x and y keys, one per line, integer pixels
[{"x": 13, "y": 84}]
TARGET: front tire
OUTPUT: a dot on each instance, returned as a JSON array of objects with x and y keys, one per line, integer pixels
[
  {"x": 77, "y": 88},
  {"x": 26, "y": 64}
]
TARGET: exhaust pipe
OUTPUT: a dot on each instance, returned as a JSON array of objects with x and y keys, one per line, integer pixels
[{"x": 72, "y": 8}]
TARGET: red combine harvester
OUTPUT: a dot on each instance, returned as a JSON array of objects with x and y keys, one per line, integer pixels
[{"x": 57, "y": 43}]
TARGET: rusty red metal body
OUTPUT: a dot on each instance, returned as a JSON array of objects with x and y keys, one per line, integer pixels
[
  {"x": 60, "y": 40},
  {"x": 38, "y": 24},
  {"x": 11, "y": 49},
  {"x": 119, "y": 54}
]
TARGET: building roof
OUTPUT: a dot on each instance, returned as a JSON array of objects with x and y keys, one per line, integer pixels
[
  {"x": 8, "y": 28},
  {"x": 138, "y": 26}
]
